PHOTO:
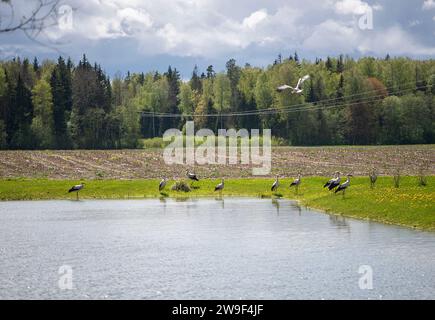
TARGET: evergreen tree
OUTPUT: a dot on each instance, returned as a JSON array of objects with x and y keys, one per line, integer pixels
[
  {"x": 61, "y": 92},
  {"x": 210, "y": 72},
  {"x": 340, "y": 64},
  {"x": 195, "y": 81},
  {"x": 297, "y": 58},
  {"x": 20, "y": 117},
  {"x": 173, "y": 78}
]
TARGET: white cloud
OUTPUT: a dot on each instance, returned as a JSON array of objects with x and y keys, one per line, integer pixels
[
  {"x": 335, "y": 37},
  {"x": 377, "y": 7},
  {"x": 254, "y": 19},
  {"x": 182, "y": 28},
  {"x": 332, "y": 35},
  {"x": 219, "y": 29},
  {"x": 351, "y": 7},
  {"x": 428, "y": 4},
  {"x": 393, "y": 40}
]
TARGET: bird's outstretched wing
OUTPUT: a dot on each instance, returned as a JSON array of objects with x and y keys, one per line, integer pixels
[
  {"x": 299, "y": 82},
  {"x": 283, "y": 87},
  {"x": 303, "y": 79}
]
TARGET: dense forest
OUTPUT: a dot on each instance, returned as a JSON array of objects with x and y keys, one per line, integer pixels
[{"x": 60, "y": 105}]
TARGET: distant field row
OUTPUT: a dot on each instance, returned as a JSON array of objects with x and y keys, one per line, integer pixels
[{"x": 148, "y": 163}]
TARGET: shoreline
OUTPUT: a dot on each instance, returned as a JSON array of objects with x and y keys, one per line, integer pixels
[{"x": 410, "y": 205}]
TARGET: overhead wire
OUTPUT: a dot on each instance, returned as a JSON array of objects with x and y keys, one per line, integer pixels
[{"x": 306, "y": 106}]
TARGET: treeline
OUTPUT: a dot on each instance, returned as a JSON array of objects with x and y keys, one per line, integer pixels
[{"x": 59, "y": 105}]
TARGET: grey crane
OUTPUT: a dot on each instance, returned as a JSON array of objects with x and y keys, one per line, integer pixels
[
  {"x": 220, "y": 186},
  {"x": 296, "y": 89},
  {"x": 344, "y": 185},
  {"x": 373, "y": 177},
  {"x": 335, "y": 182},
  {"x": 331, "y": 180},
  {"x": 76, "y": 189},
  {"x": 275, "y": 185},
  {"x": 192, "y": 176},
  {"x": 162, "y": 184},
  {"x": 296, "y": 182}
]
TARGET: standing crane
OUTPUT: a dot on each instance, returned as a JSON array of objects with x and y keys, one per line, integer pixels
[
  {"x": 334, "y": 182},
  {"x": 373, "y": 177},
  {"x": 275, "y": 185},
  {"x": 344, "y": 185},
  {"x": 192, "y": 176},
  {"x": 162, "y": 184},
  {"x": 220, "y": 186},
  {"x": 296, "y": 182},
  {"x": 76, "y": 189}
]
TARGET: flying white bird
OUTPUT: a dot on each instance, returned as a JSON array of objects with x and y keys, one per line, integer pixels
[{"x": 296, "y": 89}]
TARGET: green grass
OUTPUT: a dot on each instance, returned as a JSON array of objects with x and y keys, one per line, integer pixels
[
  {"x": 410, "y": 205},
  {"x": 158, "y": 143}
]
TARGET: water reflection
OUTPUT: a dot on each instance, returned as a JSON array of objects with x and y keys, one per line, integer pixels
[
  {"x": 339, "y": 221},
  {"x": 163, "y": 200},
  {"x": 296, "y": 207},
  {"x": 275, "y": 203},
  {"x": 221, "y": 200}
]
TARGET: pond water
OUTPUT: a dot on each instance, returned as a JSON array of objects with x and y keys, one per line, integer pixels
[{"x": 206, "y": 249}]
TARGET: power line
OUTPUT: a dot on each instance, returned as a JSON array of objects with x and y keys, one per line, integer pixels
[{"x": 287, "y": 109}]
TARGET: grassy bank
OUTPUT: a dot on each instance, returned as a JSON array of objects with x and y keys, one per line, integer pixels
[{"x": 409, "y": 205}]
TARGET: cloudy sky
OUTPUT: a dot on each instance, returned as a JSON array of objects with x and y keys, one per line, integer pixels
[{"x": 144, "y": 35}]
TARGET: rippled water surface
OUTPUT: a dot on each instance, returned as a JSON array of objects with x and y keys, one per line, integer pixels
[{"x": 205, "y": 249}]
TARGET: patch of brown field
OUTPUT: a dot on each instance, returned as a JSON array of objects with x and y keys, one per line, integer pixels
[{"x": 286, "y": 161}]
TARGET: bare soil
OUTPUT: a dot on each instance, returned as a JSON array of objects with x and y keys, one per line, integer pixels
[{"x": 286, "y": 161}]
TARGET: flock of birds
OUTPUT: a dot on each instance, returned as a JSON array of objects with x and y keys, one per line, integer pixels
[{"x": 333, "y": 184}]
